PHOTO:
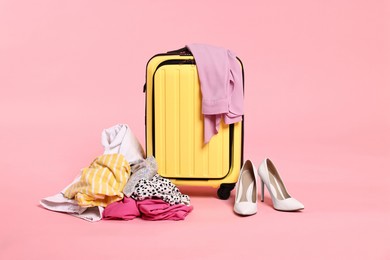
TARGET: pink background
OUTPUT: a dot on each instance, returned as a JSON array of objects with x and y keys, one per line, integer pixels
[{"x": 317, "y": 103}]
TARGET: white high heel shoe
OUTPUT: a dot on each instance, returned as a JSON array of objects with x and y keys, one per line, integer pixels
[
  {"x": 246, "y": 191},
  {"x": 280, "y": 198}
]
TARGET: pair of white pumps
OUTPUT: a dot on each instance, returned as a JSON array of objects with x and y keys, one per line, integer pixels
[{"x": 246, "y": 193}]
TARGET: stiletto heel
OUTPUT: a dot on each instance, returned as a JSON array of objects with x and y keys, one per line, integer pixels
[
  {"x": 262, "y": 191},
  {"x": 246, "y": 191},
  {"x": 280, "y": 198}
]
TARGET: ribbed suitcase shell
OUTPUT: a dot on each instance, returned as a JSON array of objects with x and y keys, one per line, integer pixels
[{"x": 174, "y": 127}]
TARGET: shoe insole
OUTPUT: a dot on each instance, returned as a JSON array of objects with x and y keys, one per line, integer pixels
[
  {"x": 248, "y": 187},
  {"x": 278, "y": 188}
]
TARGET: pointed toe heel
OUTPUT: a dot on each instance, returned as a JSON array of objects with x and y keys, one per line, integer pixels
[
  {"x": 281, "y": 199},
  {"x": 246, "y": 192}
]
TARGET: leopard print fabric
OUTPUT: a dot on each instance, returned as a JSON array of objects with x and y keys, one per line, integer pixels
[{"x": 159, "y": 187}]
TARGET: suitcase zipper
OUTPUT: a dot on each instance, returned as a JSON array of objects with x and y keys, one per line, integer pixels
[
  {"x": 175, "y": 62},
  {"x": 181, "y": 52},
  {"x": 171, "y": 62}
]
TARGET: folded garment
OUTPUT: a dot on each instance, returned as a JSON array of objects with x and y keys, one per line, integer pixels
[
  {"x": 102, "y": 182},
  {"x": 120, "y": 139},
  {"x": 125, "y": 209},
  {"x": 141, "y": 169},
  {"x": 160, "y": 188},
  {"x": 221, "y": 84},
  {"x": 60, "y": 203},
  {"x": 156, "y": 209}
]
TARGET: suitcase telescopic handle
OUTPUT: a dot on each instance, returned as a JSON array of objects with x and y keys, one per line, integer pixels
[{"x": 182, "y": 51}]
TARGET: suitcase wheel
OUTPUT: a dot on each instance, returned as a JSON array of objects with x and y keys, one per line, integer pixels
[{"x": 224, "y": 190}]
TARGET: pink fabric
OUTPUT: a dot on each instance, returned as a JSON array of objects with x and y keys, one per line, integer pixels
[
  {"x": 151, "y": 209},
  {"x": 221, "y": 82},
  {"x": 157, "y": 209},
  {"x": 125, "y": 209}
]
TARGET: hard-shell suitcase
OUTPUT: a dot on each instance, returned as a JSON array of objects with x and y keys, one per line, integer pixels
[{"x": 174, "y": 127}]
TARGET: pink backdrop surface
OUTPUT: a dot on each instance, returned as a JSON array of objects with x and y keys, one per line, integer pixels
[{"x": 316, "y": 102}]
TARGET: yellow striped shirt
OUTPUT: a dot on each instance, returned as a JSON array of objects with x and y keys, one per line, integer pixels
[{"x": 102, "y": 182}]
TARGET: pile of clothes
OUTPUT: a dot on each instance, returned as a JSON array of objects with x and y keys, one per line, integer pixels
[{"x": 121, "y": 184}]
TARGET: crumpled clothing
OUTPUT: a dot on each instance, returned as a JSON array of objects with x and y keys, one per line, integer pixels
[
  {"x": 159, "y": 188},
  {"x": 102, "y": 182},
  {"x": 141, "y": 169},
  {"x": 61, "y": 204},
  {"x": 120, "y": 139},
  {"x": 156, "y": 209},
  {"x": 125, "y": 209},
  {"x": 148, "y": 209}
]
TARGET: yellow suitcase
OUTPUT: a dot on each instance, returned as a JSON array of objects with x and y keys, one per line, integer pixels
[{"x": 174, "y": 127}]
